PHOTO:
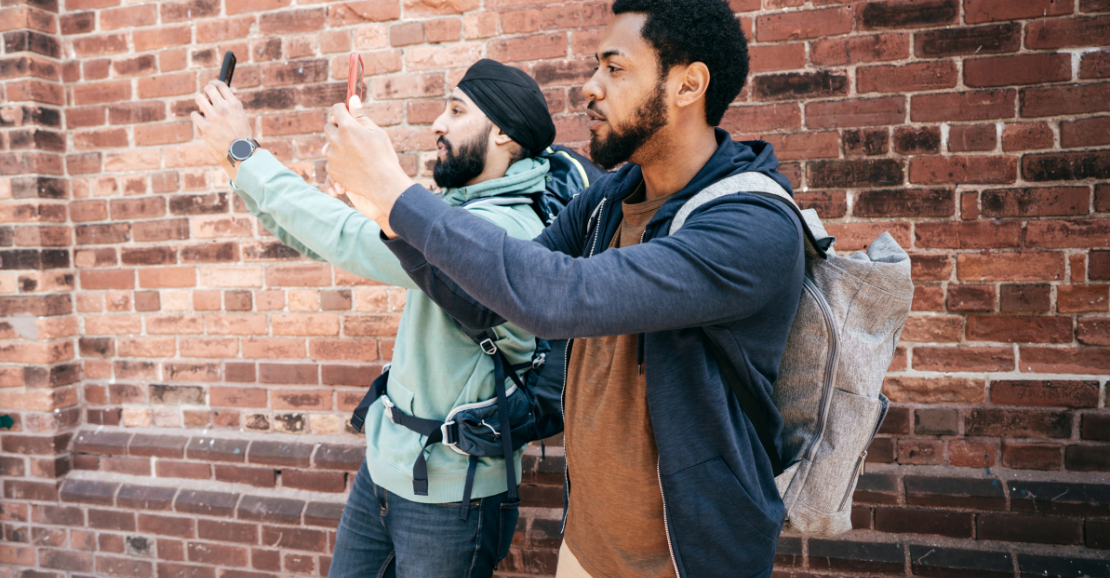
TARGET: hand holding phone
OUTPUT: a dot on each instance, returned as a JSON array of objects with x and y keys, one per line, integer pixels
[
  {"x": 227, "y": 69},
  {"x": 354, "y": 79}
]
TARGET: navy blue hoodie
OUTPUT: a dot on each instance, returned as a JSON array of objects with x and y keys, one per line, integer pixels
[{"x": 733, "y": 274}]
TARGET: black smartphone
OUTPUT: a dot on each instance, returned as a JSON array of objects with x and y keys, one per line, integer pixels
[{"x": 227, "y": 69}]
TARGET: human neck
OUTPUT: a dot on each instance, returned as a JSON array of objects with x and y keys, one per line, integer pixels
[{"x": 675, "y": 157}]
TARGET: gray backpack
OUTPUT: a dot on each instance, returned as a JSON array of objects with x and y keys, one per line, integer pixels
[{"x": 850, "y": 316}]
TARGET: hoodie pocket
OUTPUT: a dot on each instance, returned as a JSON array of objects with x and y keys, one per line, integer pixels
[{"x": 715, "y": 523}]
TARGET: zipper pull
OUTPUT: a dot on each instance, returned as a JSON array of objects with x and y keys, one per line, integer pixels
[{"x": 863, "y": 463}]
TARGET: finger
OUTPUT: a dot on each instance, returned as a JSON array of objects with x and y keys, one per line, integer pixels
[
  {"x": 213, "y": 93},
  {"x": 331, "y": 131},
  {"x": 338, "y": 113},
  {"x": 223, "y": 89},
  {"x": 204, "y": 105},
  {"x": 324, "y": 151},
  {"x": 199, "y": 120}
]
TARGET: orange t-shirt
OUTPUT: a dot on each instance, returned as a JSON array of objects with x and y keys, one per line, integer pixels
[{"x": 615, "y": 525}]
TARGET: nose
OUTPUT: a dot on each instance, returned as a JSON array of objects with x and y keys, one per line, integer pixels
[
  {"x": 439, "y": 127},
  {"x": 592, "y": 89}
]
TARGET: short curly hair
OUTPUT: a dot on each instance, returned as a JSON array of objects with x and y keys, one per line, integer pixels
[{"x": 706, "y": 31}]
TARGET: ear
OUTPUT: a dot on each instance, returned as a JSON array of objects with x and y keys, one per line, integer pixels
[
  {"x": 499, "y": 137},
  {"x": 693, "y": 82}
]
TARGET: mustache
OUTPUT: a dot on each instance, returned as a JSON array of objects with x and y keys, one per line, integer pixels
[{"x": 446, "y": 143}]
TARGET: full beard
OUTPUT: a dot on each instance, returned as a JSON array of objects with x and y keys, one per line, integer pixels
[
  {"x": 457, "y": 168},
  {"x": 622, "y": 143}
]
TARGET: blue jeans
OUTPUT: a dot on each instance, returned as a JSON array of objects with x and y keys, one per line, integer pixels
[{"x": 384, "y": 535}]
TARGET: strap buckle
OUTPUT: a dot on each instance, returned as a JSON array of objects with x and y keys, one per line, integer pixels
[
  {"x": 488, "y": 346},
  {"x": 388, "y": 403},
  {"x": 539, "y": 361},
  {"x": 450, "y": 434}
]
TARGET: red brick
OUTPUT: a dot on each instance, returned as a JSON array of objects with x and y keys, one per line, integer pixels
[
  {"x": 1077, "y": 233},
  {"x": 1063, "y": 100},
  {"x": 108, "y": 279},
  {"x": 406, "y": 33},
  {"x": 292, "y": 21},
  {"x": 360, "y": 12},
  {"x": 805, "y": 145},
  {"x": 1032, "y": 298},
  {"x": 920, "y": 452},
  {"x": 1025, "y": 456},
  {"x": 976, "y": 11},
  {"x": 1086, "y": 132},
  {"x": 532, "y": 47},
  {"x": 1039, "y": 329},
  {"x": 166, "y": 525},
  {"x": 969, "y": 454},
  {"x": 932, "y": 329},
  {"x": 1086, "y": 361},
  {"x": 777, "y": 57},
  {"x": 1082, "y": 298},
  {"x": 1040, "y": 202},
  {"x": 1027, "y": 136},
  {"x": 928, "y": 298},
  {"x": 333, "y": 482},
  {"x": 1094, "y": 330},
  {"x": 978, "y": 105},
  {"x": 1074, "y": 394},
  {"x": 967, "y": 138},
  {"x": 301, "y": 399},
  {"x": 958, "y": 359},
  {"x": 975, "y": 169},
  {"x": 754, "y": 119},
  {"x": 1095, "y": 65},
  {"x": 968, "y": 235},
  {"x": 168, "y": 85},
  {"x": 858, "y": 49},
  {"x": 906, "y": 78},
  {"x": 851, "y": 113},
  {"x": 800, "y": 25},
  {"x": 190, "y": 470},
  {"x": 1020, "y": 69},
  {"x": 934, "y": 390},
  {"x": 1062, "y": 33},
  {"x": 163, "y": 37},
  {"x": 217, "y": 554}
]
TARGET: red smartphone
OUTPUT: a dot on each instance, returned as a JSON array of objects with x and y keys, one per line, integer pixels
[
  {"x": 354, "y": 79},
  {"x": 227, "y": 68}
]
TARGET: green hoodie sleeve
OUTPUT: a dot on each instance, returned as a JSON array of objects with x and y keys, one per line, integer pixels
[{"x": 316, "y": 225}]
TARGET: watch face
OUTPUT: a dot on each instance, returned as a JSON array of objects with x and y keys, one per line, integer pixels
[{"x": 241, "y": 149}]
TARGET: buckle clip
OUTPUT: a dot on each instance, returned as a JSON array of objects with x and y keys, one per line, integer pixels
[
  {"x": 488, "y": 346},
  {"x": 446, "y": 430},
  {"x": 388, "y": 408},
  {"x": 539, "y": 361}
]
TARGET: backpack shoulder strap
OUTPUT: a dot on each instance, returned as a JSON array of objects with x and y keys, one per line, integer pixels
[
  {"x": 749, "y": 405},
  {"x": 754, "y": 183},
  {"x": 502, "y": 200}
]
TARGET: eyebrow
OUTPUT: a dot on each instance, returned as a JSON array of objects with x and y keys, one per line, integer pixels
[
  {"x": 456, "y": 99},
  {"x": 608, "y": 54}
]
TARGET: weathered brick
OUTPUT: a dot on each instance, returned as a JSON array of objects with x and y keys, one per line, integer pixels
[
  {"x": 1062, "y": 100},
  {"x": 939, "y": 561},
  {"x": 856, "y": 556},
  {"x": 1018, "y": 423},
  {"x": 265, "y": 509},
  {"x": 1027, "y": 456}
]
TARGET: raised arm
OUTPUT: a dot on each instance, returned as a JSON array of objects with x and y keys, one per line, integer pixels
[{"x": 723, "y": 265}]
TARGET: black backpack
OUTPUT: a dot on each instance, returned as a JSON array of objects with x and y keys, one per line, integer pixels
[{"x": 532, "y": 409}]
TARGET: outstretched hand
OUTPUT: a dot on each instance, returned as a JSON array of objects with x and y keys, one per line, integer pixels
[
  {"x": 221, "y": 121},
  {"x": 362, "y": 161}
]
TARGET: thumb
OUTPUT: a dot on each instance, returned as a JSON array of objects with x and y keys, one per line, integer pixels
[{"x": 360, "y": 114}]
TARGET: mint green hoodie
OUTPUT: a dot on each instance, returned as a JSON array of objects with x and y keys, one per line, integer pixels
[{"x": 435, "y": 366}]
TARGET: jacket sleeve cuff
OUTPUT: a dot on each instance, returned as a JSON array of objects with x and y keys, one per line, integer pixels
[
  {"x": 415, "y": 213},
  {"x": 254, "y": 172}
]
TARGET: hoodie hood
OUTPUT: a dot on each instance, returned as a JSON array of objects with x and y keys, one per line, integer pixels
[
  {"x": 731, "y": 157},
  {"x": 524, "y": 177}
]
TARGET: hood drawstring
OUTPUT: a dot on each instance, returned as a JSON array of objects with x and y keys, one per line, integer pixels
[{"x": 640, "y": 353}]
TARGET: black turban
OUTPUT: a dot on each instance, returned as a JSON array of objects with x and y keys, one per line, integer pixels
[{"x": 513, "y": 101}]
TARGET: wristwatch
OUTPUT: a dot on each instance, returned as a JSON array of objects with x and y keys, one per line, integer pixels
[{"x": 241, "y": 150}]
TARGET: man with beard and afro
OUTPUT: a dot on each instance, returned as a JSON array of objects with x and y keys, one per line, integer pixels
[
  {"x": 666, "y": 474},
  {"x": 454, "y": 518}
]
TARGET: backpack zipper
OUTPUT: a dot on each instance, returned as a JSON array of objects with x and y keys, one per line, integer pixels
[{"x": 830, "y": 369}]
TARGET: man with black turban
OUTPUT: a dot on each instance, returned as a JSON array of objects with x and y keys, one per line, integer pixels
[{"x": 450, "y": 515}]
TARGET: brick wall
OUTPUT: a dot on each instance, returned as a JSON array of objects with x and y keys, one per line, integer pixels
[{"x": 178, "y": 381}]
